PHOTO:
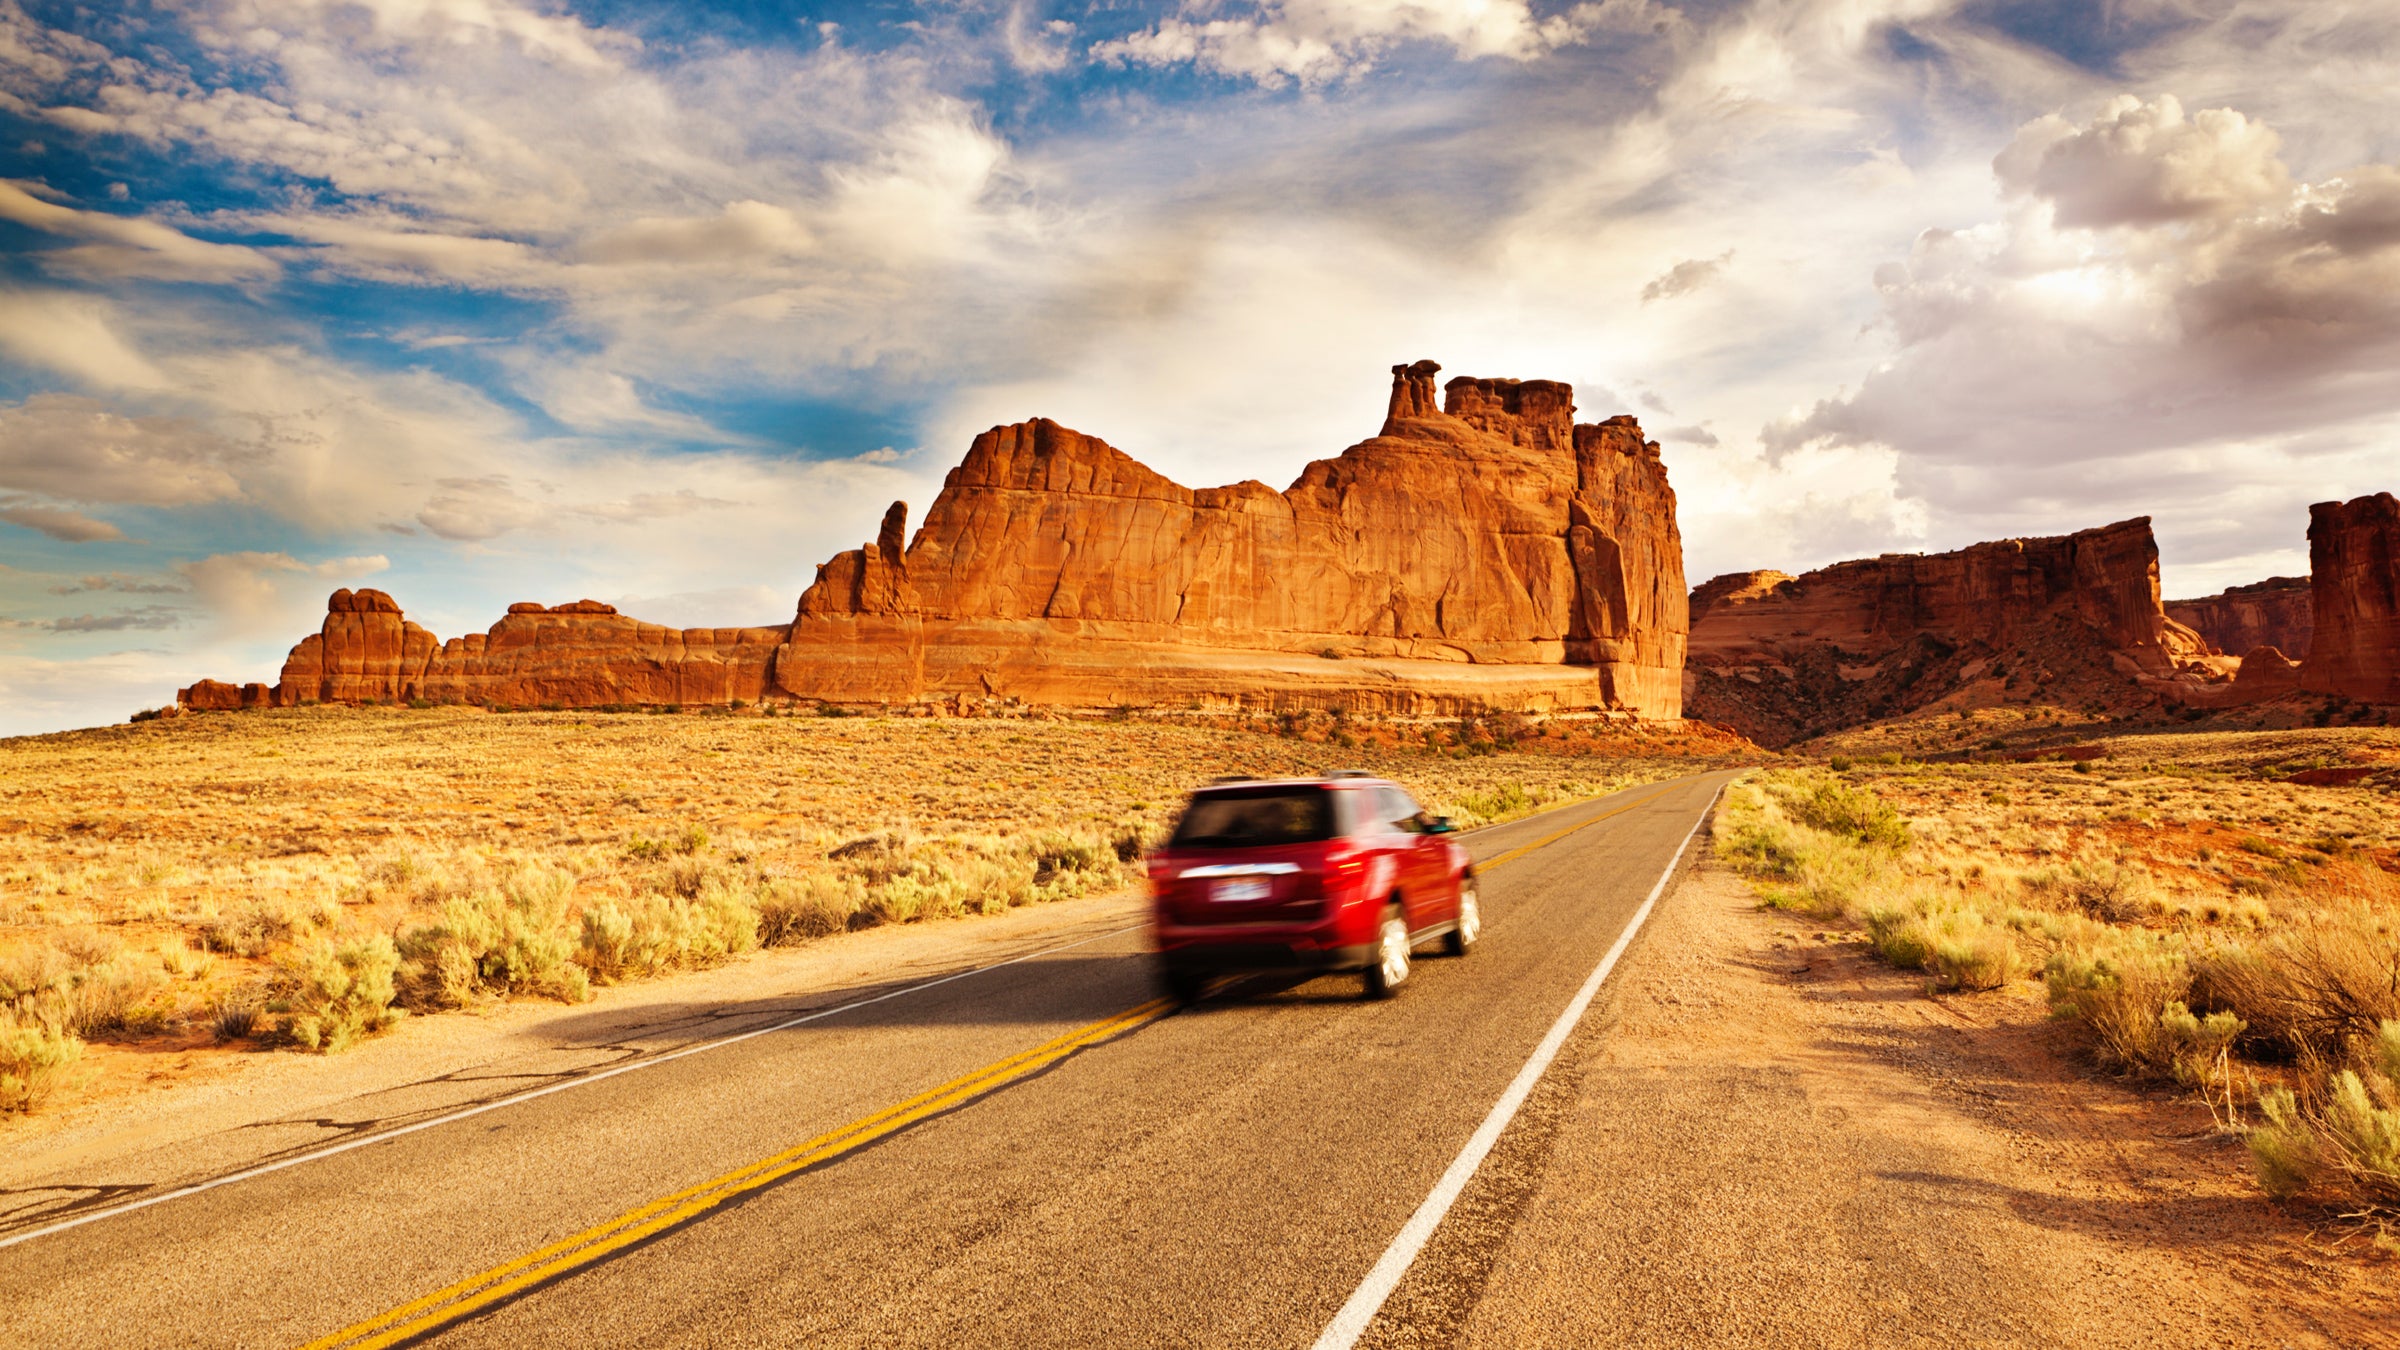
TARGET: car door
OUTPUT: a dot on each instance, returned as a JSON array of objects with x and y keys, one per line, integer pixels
[{"x": 1417, "y": 860}]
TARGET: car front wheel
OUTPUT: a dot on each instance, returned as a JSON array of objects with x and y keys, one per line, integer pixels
[
  {"x": 1390, "y": 970},
  {"x": 1470, "y": 918}
]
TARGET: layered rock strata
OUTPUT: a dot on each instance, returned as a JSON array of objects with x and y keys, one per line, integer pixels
[
  {"x": 2354, "y": 573},
  {"x": 1483, "y": 550},
  {"x": 2277, "y": 612},
  {"x": 1781, "y": 658}
]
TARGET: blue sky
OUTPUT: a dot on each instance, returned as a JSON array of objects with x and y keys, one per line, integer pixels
[{"x": 488, "y": 300}]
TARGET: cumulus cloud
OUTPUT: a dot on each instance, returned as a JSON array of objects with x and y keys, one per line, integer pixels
[
  {"x": 72, "y": 527},
  {"x": 2046, "y": 359},
  {"x": 2144, "y": 163}
]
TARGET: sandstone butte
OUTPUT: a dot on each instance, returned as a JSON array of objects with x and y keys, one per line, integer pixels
[
  {"x": 2354, "y": 584},
  {"x": 1482, "y": 551},
  {"x": 2272, "y": 613},
  {"x": 2071, "y": 619}
]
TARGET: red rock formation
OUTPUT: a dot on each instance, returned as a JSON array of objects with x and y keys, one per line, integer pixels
[
  {"x": 2354, "y": 571},
  {"x": 2272, "y": 613},
  {"x": 1486, "y": 552},
  {"x": 1780, "y": 658}
]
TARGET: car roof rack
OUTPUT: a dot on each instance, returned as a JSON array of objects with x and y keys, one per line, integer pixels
[
  {"x": 1352, "y": 773},
  {"x": 1231, "y": 778}
]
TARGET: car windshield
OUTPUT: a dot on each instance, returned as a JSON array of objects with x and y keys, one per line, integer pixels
[{"x": 1249, "y": 817}]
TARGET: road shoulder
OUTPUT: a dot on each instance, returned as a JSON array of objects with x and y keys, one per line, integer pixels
[{"x": 1764, "y": 1138}]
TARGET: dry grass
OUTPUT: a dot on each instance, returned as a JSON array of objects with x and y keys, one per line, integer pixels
[
  {"x": 2208, "y": 921},
  {"x": 268, "y": 877}
]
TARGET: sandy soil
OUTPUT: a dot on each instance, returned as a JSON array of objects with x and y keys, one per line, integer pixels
[{"x": 1768, "y": 1138}]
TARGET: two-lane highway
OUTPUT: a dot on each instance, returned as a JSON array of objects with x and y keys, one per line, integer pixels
[{"x": 1040, "y": 1153}]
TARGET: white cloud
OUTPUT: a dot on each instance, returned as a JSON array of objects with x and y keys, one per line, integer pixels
[
  {"x": 254, "y": 593},
  {"x": 1318, "y": 41},
  {"x": 125, "y": 247},
  {"x": 1685, "y": 277},
  {"x": 472, "y": 510},
  {"x": 2190, "y": 330},
  {"x": 77, "y": 448},
  {"x": 72, "y": 527},
  {"x": 2144, "y": 163}
]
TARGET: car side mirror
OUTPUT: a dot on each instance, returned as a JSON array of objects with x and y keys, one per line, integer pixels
[{"x": 1440, "y": 825}]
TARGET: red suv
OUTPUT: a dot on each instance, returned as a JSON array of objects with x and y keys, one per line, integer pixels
[{"x": 1345, "y": 873}]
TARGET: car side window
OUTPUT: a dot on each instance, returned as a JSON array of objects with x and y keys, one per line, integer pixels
[{"x": 1398, "y": 811}]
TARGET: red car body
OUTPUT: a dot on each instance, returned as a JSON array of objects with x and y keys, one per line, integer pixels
[{"x": 1307, "y": 875}]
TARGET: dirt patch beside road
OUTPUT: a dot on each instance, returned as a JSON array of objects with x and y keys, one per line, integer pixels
[{"x": 1764, "y": 1138}]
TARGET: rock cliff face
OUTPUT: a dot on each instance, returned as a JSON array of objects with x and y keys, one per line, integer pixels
[
  {"x": 2274, "y": 613},
  {"x": 583, "y": 654},
  {"x": 2354, "y": 570},
  {"x": 1483, "y": 550},
  {"x": 1782, "y": 658}
]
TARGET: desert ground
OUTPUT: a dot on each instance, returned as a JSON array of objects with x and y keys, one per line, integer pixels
[
  {"x": 2213, "y": 914},
  {"x": 177, "y": 889}
]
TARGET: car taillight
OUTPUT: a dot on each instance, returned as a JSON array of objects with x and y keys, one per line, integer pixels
[{"x": 1341, "y": 874}]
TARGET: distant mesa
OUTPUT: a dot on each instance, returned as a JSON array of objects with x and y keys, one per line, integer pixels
[
  {"x": 2064, "y": 619},
  {"x": 1484, "y": 550},
  {"x": 2074, "y": 621},
  {"x": 2274, "y": 613}
]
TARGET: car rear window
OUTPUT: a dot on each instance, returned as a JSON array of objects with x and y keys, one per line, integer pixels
[{"x": 1251, "y": 817}]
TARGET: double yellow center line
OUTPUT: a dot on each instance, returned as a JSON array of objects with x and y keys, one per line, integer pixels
[{"x": 477, "y": 1292}]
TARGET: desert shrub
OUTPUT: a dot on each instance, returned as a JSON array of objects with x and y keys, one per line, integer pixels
[
  {"x": 1505, "y": 802},
  {"x": 1855, "y": 813},
  {"x": 1899, "y": 936},
  {"x": 2122, "y": 989},
  {"x": 2349, "y": 1142},
  {"x": 250, "y": 931},
  {"x": 338, "y": 991},
  {"x": 2103, "y": 889},
  {"x": 2315, "y": 991},
  {"x": 2285, "y": 1151},
  {"x": 653, "y": 933},
  {"x": 796, "y": 911},
  {"x": 235, "y": 1016},
  {"x": 1970, "y": 953},
  {"x": 82, "y": 985},
  {"x": 513, "y": 940},
  {"x": 36, "y": 1060},
  {"x": 111, "y": 997}
]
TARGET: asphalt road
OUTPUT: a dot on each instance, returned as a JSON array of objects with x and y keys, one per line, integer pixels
[{"x": 1033, "y": 1155}]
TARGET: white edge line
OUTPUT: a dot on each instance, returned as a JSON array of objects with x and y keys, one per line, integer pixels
[
  {"x": 587, "y": 1080},
  {"x": 1351, "y": 1322},
  {"x": 387, "y": 1135}
]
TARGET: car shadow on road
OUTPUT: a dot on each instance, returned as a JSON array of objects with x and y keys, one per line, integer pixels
[{"x": 1063, "y": 989}]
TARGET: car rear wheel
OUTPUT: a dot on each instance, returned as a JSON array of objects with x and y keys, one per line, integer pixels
[
  {"x": 1470, "y": 918},
  {"x": 1390, "y": 970}
]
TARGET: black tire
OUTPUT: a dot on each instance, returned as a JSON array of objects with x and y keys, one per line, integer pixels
[
  {"x": 1470, "y": 919},
  {"x": 1183, "y": 986},
  {"x": 1388, "y": 969}
]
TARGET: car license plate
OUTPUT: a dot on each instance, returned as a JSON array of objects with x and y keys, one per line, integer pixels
[{"x": 1243, "y": 888}]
